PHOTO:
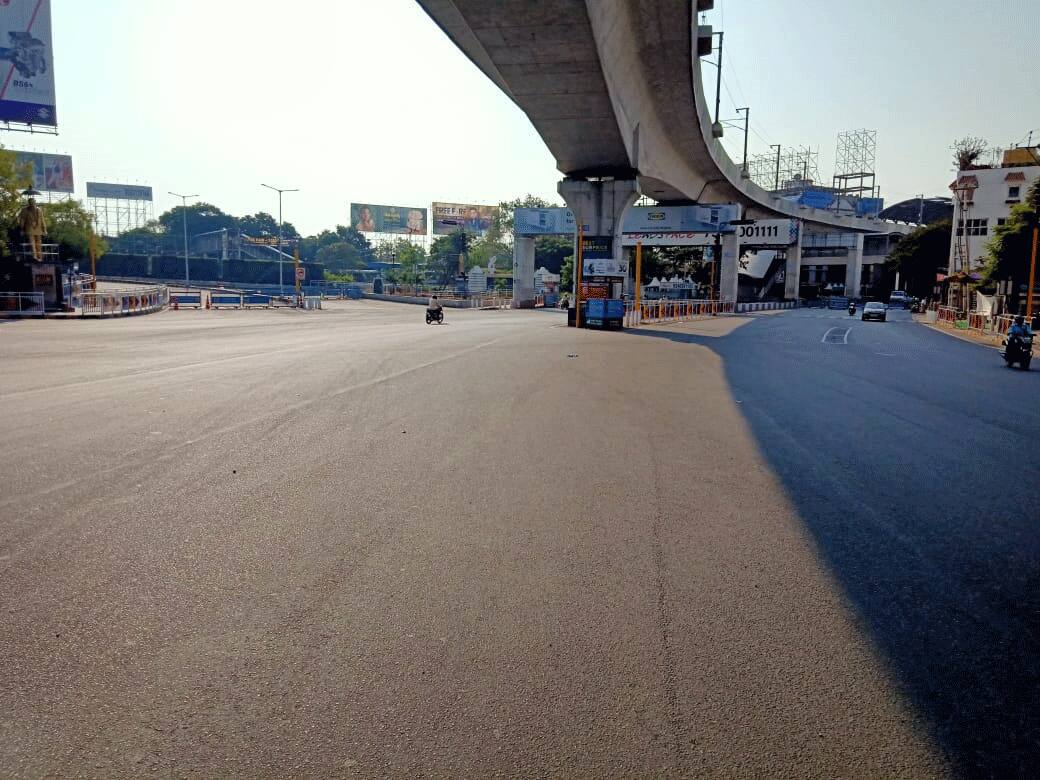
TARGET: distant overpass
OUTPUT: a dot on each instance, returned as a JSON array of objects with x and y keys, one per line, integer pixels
[{"x": 614, "y": 89}]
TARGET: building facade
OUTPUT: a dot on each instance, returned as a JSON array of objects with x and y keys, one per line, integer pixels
[{"x": 982, "y": 201}]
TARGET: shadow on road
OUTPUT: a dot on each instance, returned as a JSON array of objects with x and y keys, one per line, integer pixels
[{"x": 907, "y": 502}]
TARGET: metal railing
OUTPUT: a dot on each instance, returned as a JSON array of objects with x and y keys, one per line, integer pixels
[
  {"x": 946, "y": 314},
  {"x": 21, "y": 304},
  {"x": 104, "y": 303},
  {"x": 652, "y": 312}
]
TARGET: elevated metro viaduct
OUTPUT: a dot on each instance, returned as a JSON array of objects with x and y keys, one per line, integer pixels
[{"x": 614, "y": 89}]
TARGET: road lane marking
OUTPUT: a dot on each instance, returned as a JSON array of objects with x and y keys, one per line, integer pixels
[{"x": 844, "y": 337}]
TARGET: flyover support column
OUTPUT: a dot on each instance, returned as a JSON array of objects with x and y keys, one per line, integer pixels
[
  {"x": 854, "y": 269},
  {"x": 523, "y": 272},
  {"x": 793, "y": 272},
  {"x": 599, "y": 207},
  {"x": 729, "y": 268}
]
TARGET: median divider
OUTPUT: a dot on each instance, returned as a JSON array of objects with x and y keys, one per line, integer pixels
[
  {"x": 218, "y": 299},
  {"x": 186, "y": 299},
  {"x": 653, "y": 312}
]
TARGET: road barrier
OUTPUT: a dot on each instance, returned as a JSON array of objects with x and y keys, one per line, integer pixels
[
  {"x": 310, "y": 302},
  {"x": 186, "y": 299},
  {"x": 107, "y": 303},
  {"x": 946, "y": 314},
  {"x": 21, "y": 304},
  {"x": 218, "y": 299},
  {"x": 652, "y": 312},
  {"x": 765, "y": 306},
  {"x": 250, "y": 300}
]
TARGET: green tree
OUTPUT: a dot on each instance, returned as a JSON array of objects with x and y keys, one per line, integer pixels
[
  {"x": 444, "y": 255},
  {"x": 551, "y": 251},
  {"x": 201, "y": 217},
  {"x": 1012, "y": 244},
  {"x": 340, "y": 257},
  {"x": 310, "y": 245},
  {"x": 919, "y": 255},
  {"x": 69, "y": 225},
  {"x": 334, "y": 277},
  {"x": 263, "y": 224},
  {"x": 567, "y": 274},
  {"x": 14, "y": 179}
]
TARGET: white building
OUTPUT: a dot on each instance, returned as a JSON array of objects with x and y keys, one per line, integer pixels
[{"x": 982, "y": 200}]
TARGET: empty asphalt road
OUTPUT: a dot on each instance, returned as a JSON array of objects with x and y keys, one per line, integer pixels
[{"x": 346, "y": 543}]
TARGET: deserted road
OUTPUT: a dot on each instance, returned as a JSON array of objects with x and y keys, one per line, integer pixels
[{"x": 345, "y": 543}]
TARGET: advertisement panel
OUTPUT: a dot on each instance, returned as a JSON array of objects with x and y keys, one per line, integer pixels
[
  {"x": 769, "y": 232},
  {"x": 50, "y": 172},
  {"x": 449, "y": 217},
  {"x": 543, "y": 222},
  {"x": 26, "y": 62},
  {"x": 97, "y": 189},
  {"x": 373, "y": 218},
  {"x": 606, "y": 266},
  {"x": 680, "y": 219}
]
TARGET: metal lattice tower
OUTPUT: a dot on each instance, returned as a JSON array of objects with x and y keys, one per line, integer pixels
[
  {"x": 854, "y": 160},
  {"x": 797, "y": 165},
  {"x": 113, "y": 216}
]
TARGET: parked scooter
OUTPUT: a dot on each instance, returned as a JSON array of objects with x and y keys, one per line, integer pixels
[{"x": 1018, "y": 349}]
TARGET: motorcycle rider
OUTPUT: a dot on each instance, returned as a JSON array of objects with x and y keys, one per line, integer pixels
[
  {"x": 433, "y": 308},
  {"x": 1018, "y": 328}
]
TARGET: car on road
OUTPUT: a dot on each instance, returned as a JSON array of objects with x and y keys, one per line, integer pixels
[
  {"x": 875, "y": 311},
  {"x": 899, "y": 298}
]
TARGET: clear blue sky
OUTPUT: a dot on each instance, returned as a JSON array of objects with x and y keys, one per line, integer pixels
[{"x": 369, "y": 101}]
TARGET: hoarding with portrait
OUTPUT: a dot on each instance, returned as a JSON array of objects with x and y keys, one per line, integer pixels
[
  {"x": 50, "y": 172},
  {"x": 375, "y": 218},
  {"x": 449, "y": 217}
]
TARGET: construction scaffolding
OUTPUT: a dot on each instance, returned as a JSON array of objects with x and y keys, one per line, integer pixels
[
  {"x": 798, "y": 166},
  {"x": 854, "y": 160}
]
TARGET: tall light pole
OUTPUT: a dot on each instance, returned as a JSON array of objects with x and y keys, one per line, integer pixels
[
  {"x": 184, "y": 214},
  {"x": 920, "y": 209},
  {"x": 747, "y": 120},
  {"x": 281, "y": 281},
  {"x": 776, "y": 185}
]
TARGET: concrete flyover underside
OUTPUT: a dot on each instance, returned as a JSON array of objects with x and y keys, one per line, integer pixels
[{"x": 613, "y": 89}]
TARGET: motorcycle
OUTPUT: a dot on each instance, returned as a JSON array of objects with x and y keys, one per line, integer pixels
[
  {"x": 434, "y": 315},
  {"x": 1018, "y": 349},
  {"x": 852, "y": 308}
]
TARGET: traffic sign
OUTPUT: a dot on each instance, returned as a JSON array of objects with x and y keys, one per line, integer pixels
[{"x": 301, "y": 273}]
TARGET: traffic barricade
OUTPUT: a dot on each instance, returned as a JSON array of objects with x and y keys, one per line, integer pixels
[{"x": 218, "y": 299}]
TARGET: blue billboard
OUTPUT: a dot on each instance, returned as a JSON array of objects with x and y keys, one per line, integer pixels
[{"x": 26, "y": 63}]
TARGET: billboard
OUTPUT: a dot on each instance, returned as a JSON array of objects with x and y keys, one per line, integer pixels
[
  {"x": 543, "y": 222},
  {"x": 97, "y": 189},
  {"x": 26, "y": 62},
  {"x": 449, "y": 217},
  {"x": 373, "y": 218},
  {"x": 680, "y": 219},
  {"x": 50, "y": 172}
]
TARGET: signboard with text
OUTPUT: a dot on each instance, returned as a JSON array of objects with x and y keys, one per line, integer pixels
[
  {"x": 97, "y": 189},
  {"x": 470, "y": 217},
  {"x": 768, "y": 232},
  {"x": 27, "y": 63}
]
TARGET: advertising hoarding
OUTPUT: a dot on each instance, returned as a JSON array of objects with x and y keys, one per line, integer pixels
[
  {"x": 769, "y": 232},
  {"x": 449, "y": 217},
  {"x": 26, "y": 63},
  {"x": 543, "y": 222},
  {"x": 97, "y": 189},
  {"x": 50, "y": 172},
  {"x": 680, "y": 219},
  {"x": 374, "y": 218}
]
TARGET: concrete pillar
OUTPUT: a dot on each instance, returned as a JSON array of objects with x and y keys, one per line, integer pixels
[
  {"x": 729, "y": 269},
  {"x": 854, "y": 268},
  {"x": 793, "y": 272},
  {"x": 523, "y": 272},
  {"x": 599, "y": 206}
]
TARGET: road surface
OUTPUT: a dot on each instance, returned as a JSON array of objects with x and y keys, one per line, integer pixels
[{"x": 277, "y": 543}]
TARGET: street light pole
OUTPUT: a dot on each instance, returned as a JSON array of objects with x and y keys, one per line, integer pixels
[
  {"x": 747, "y": 121},
  {"x": 281, "y": 280},
  {"x": 920, "y": 209},
  {"x": 184, "y": 214}
]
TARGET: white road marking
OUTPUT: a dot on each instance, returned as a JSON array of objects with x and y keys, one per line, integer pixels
[{"x": 844, "y": 339}]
